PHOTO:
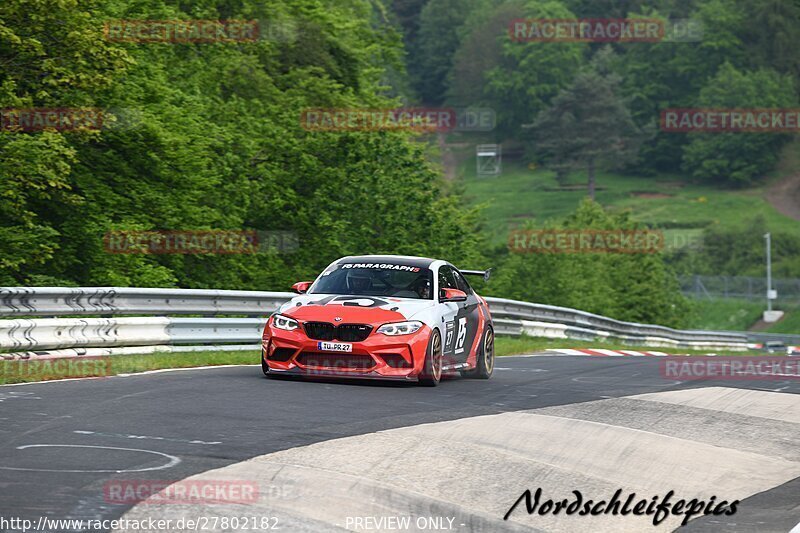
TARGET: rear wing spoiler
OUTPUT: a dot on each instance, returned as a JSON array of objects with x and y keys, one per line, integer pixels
[{"x": 486, "y": 274}]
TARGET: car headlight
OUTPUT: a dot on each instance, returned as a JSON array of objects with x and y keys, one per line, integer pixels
[
  {"x": 284, "y": 322},
  {"x": 400, "y": 328}
]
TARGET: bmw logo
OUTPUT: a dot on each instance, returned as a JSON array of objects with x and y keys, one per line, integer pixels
[{"x": 338, "y": 319}]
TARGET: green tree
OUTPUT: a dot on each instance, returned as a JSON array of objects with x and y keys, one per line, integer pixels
[
  {"x": 588, "y": 125},
  {"x": 439, "y": 37},
  {"x": 480, "y": 51},
  {"x": 739, "y": 158},
  {"x": 529, "y": 74},
  {"x": 208, "y": 136},
  {"x": 407, "y": 13},
  {"x": 626, "y": 286},
  {"x": 740, "y": 251},
  {"x": 667, "y": 74},
  {"x": 605, "y": 9},
  {"x": 52, "y": 55},
  {"x": 773, "y": 35}
]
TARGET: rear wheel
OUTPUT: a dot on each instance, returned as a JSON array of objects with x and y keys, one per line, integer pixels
[
  {"x": 485, "y": 363},
  {"x": 432, "y": 371}
]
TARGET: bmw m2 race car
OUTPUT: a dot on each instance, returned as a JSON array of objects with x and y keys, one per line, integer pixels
[{"x": 382, "y": 317}]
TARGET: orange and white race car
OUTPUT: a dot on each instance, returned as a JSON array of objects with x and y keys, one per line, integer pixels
[{"x": 382, "y": 317}]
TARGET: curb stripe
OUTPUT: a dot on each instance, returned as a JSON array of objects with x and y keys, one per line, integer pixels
[{"x": 603, "y": 352}]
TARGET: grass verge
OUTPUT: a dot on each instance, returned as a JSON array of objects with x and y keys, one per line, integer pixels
[
  {"x": 790, "y": 323},
  {"x": 730, "y": 314},
  {"x": 722, "y": 314},
  {"x": 52, "y": 369}
]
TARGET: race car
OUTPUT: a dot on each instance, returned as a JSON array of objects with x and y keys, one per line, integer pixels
[{"x": 382, "y": 317}]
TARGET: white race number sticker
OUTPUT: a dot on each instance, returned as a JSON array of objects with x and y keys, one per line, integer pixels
[{"x": 462, "y": 334}]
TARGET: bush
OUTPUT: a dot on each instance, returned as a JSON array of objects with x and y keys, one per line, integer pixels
[{"x": 625, "y": 286}]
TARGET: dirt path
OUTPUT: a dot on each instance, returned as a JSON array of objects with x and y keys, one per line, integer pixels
[
  {"x": 760, "y": 325},
  {"x": 784, "y": 195},
  {"x": 450, "y": 159}
]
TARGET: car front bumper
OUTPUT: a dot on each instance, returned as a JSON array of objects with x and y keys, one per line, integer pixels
[{"x": 379, "y": 356}]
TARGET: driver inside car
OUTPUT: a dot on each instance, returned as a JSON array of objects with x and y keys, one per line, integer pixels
[
  {"x": 422, "y": 286},
  {"x": 358, "y": 283}
]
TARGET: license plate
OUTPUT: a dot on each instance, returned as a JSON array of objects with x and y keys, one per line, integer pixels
[{"x": 335, "y": 346}]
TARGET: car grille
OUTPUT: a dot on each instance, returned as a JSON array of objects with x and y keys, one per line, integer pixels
[
  {"x": 337, "y": 361},
  {"x": 325, "y": 331},
  {"x": 353, "y": 332},
  {"x": 321, "y": 331}
]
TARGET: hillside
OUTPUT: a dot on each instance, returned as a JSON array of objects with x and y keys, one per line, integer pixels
[{"x": 681, "y": 208}]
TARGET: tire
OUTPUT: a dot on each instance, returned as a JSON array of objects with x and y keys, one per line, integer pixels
[
  {"x": 432, "y": 370},
  {"x": 485, "y": 364}
]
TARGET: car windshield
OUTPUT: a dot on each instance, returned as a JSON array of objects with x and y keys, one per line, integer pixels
[{"x": 400, "y": 281}]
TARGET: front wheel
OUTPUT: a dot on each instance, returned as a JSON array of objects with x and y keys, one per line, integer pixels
[
  {"x": 485, "y": 363},
  {"x": 432, "y": 370}
]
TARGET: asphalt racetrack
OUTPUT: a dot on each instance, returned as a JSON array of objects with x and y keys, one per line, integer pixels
[{"x": 327, "y": 455}]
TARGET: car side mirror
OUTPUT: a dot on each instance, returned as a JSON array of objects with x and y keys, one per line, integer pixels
[
  {"x": 301, "y": 287},
  {"x": 452, "y": 295}
]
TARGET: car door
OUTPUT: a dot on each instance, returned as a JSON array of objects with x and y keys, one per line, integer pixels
[
  {"x": 449, "y": 314},
  {"x": 460, "y": 318},
  {"x": 469, "y": 314}
]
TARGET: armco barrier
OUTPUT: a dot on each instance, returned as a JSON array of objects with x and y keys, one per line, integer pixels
[
  {"x": 540, "y": 320},
  {"x": 57, "y": 333},
  {"x": 116, "y": 301},
  {"x": 118, "y": 329}
]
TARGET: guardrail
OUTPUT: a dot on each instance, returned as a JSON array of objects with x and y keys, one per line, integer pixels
[
  {"x": 514, "y": 317},
  {"x": 59, "y": 333},
  {"x": 107, "y": 330},
  {"x": 116, "y": 301}
]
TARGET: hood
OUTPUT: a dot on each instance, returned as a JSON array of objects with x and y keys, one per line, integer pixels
[{"x": 374, "y": 310}]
